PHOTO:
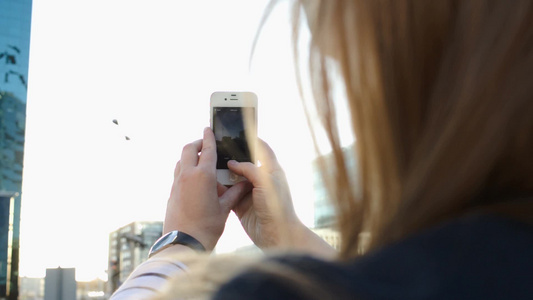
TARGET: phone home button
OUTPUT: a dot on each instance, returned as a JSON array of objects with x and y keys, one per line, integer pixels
[{"x": 233, "y": 177}]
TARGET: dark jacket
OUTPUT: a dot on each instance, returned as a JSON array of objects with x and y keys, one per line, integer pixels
[{"x": 483, "y": 256}]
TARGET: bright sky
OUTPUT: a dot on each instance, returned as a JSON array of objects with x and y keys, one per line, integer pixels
[{"x": 151, "y": 65}]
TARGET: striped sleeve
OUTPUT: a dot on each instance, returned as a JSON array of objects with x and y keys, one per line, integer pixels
[{"x": 148, "y": 278}]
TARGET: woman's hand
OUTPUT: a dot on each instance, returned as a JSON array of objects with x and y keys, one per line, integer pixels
[
  {"x": 267, "y": 213},
  {"x": 198, "y": 204}
]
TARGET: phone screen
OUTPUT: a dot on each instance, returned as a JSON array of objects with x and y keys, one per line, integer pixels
[{"x": 231, "y": 134}]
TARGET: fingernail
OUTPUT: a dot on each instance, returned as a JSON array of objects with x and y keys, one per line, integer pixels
[{"x": 232, "y": 163}]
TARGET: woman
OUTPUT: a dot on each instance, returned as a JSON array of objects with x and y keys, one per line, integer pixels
[{"x": 441, "y": 104}]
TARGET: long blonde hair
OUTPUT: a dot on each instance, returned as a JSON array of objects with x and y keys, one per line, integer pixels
[{"x": 441, "y": 101}]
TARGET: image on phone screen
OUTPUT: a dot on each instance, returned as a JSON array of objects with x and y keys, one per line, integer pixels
[{"x": 230, "y": 134}]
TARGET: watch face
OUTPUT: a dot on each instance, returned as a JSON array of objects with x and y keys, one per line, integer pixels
[{"x": 165, "y": 240}]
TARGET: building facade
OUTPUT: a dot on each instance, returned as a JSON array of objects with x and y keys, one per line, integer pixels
[
  {"x": 128, "y": 248},
  {"x": 91, "y": 290},
  {"x": 60, "y": 283},
  {"x": 15, "y": 27},
  {"x": 330, "y": 235},
  {"x": 31, "y": 288}
]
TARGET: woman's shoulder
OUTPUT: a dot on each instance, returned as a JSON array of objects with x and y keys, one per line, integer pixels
[
  {"x": 481, "y": 256},
  {"x": 474, "y": 257}
]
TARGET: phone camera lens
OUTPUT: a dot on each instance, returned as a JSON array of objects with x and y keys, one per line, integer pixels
[{"x": 225, "y": 99}]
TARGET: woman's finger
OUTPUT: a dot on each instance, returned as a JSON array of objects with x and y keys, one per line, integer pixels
[
  {"x": 189, "y": 155},
  {"x": 234, "y": 194},
  {"x": 208, "y": 157},
  {"x": 221, "y": 189},
  {"x": 246, "y": 169}
]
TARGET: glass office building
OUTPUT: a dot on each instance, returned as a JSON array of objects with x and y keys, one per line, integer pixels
[{"x": 15, "y": 26}]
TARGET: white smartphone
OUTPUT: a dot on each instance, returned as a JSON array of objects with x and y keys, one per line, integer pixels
[{"x": 234, "y": 123}]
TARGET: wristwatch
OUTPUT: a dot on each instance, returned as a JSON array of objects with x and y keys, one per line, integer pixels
[{"x": 173, "y": 238}]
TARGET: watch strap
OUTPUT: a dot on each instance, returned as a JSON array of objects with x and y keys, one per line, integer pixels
[
  {"x": 173, "y": 238},
  {"x": 186, "y": 240}
]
